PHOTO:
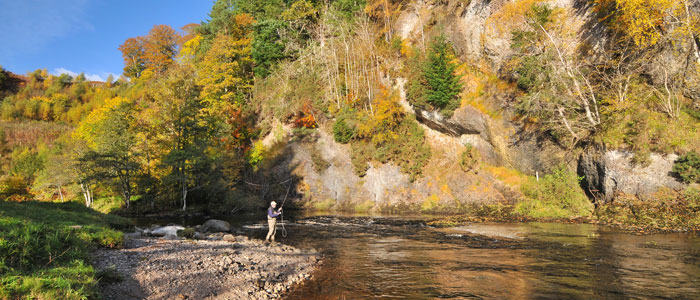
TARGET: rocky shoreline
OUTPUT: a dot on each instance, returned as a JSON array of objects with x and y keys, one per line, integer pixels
[{"x": 219, "y": 267}]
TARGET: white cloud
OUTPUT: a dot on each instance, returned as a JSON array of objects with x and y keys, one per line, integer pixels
[
  {"x": 59, "y": 71},
  {"x": 89, "y": 76}
]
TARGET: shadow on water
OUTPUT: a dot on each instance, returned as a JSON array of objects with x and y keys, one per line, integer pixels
[{"x": 401, "y": 258}]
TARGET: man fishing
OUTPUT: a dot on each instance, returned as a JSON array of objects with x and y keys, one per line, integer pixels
[{"x": 272, "y": 215}]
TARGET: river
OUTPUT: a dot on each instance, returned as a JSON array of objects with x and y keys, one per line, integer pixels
[{"x": 375, "y": 257}]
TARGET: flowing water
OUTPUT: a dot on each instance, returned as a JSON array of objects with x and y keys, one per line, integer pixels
[{"x": 401, "y": 258}]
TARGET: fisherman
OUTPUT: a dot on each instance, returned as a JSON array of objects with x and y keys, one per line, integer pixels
[{"x": 272, "y": 215}]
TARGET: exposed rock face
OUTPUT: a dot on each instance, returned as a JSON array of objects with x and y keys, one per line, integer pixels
[
  {"x": 472, "y": 28},
  {"x": 464, "y": 120},
  {"x": 608, "y": 174},
  {"x": 443, "y": 187},
  {"x": 215, "y": 226}
]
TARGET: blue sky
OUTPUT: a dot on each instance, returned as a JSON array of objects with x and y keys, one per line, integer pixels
[{"x": 74, "y": 36}]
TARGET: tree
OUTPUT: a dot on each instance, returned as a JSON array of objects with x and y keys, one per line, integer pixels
[
  {"x": 225, "y": 73},
  {"x": 642, "y": 21},
  {"x": 133, "y": 53},
  {"x": 267, "y": 47},
  {"x": 386, "y": 11},
  {"x": 560, "y": 89},
  {"x": 443, "y": 84},
  {"x": 57, "y": 172},
  {"x": 160, "y": 48},
  {"x": 155, "y": 51},
  {"x": 186, "y": 131},
  {"x": 110, "y": 133}
]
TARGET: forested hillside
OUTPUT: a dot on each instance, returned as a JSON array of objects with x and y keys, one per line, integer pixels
[{"x": 526, "y": 108}]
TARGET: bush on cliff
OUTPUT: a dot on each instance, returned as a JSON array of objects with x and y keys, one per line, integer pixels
[{"x": 687, "y": 167}]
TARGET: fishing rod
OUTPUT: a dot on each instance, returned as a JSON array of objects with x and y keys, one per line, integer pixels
[{"x": 284, "y": 231}]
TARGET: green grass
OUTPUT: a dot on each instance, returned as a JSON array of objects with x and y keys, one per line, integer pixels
[
  {"x": 556, "y": 195},
  {"x": 45, "y": 248}
]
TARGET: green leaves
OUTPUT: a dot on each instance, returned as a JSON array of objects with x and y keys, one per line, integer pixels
[
  {"x": 432, "y": 80},
  {"x": 267, "y": 47},
  {"x": 687, "y": 167},
  {"x": 442, "y": 83}
]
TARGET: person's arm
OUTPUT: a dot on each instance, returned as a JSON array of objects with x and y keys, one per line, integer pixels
[{"x": 272, "y": 213}]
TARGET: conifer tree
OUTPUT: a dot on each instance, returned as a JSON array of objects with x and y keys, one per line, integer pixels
[{"x": 443, "y": 85}]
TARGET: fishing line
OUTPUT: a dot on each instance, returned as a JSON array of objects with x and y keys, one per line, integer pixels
[{"x": 284, "y": 231}]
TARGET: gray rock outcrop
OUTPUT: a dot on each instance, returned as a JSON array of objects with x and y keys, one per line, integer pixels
[
  {"x": 464, "y": 120},
  {"x": 608, "y": 174}
]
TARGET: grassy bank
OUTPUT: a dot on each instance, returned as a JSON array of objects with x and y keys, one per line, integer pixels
[
  {"x": 557, "y": 197},
  {"x": 45, "y": 248},
  {"x": 669, "y": 211}
]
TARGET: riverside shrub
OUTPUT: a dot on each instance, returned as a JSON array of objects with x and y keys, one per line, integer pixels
[
  {"x": 555, "y": 195},
  {"x": 669, "y": 210}
]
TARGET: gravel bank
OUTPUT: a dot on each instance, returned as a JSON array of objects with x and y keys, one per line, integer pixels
[{"x": 151, "y": 268}]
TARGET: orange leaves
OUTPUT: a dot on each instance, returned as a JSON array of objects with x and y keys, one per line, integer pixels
[
  {"x": 160, "y": 48},
  {"x": 511, "y": 15},
  {"x": 155, "y": 51},
  {"x": 306, "y": 119}
]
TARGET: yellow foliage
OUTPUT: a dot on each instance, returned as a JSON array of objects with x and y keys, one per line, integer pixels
[
  {"x": 388, "y": 114},
  {"x": 430, "y": 203},
  {"x": 86, "y": 128},
  {"x": 406, "y": 49},
  {"x": 225, "y": 72},
  {"x": 640, "y": 20},
  {"x": 190, "y": 47},
  {"x": 508, "y": 176},
  {"x": 511, "y": 15}
]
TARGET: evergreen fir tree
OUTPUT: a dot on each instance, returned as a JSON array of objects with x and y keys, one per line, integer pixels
[{"x": 443, "y": 84}]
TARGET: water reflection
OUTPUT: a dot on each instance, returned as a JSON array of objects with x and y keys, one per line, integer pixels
[{"x": 497, "y": 261}]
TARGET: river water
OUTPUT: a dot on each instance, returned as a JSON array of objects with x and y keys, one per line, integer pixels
[{"x": 401, "y": 258}]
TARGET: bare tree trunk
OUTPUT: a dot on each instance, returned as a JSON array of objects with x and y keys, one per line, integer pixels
[
  {"x": 60, "y": 193},
  {"x": 582, "y": 97},
  {"x": 87, "y": 194},
  {"x": 560, "y": 110},
  {"x": 184, "y": 196}
]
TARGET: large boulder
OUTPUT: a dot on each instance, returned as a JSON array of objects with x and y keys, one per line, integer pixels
[
  {"x": 166, "y": 230},
  {"x": 608, "y": 174},
  {"x": 464, "y": 120},
  {"x": 215, "y": 226}
]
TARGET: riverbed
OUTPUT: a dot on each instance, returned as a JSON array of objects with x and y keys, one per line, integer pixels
[{"x": 384, "y": 257}]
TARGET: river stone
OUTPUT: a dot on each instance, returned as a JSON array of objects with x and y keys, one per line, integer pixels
[
  {"x": 170, "y": 237},
  {"x": 215, "y": 226},
  {"x": 166, "y": 230},
  {"x": 229, "y": 238},
  {"x": 199, "y": 236}
]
